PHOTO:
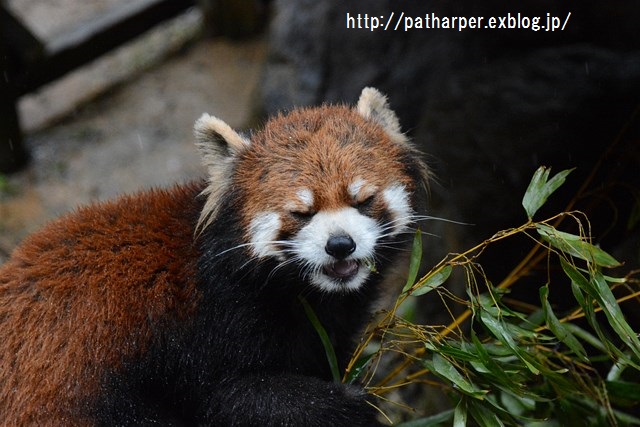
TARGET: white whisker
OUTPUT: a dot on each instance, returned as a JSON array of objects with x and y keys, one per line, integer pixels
[
  {"x": 244, "y": 245},
  {"x": 435, "y": 218}
]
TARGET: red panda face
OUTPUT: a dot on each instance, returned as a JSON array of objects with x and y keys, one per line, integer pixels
[{"x": 323, "y": 188}]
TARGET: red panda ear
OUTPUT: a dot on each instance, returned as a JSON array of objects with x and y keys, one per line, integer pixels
[
  {"x": 220, "y": 146},
  {"x": 216, "y": 140},
  {"x": 373, "y": 106}
]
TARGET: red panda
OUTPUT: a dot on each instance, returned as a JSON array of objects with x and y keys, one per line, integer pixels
[{"x": 182, "y": 306}]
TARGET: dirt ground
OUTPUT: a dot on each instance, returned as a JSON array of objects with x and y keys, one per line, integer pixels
[{"x": 124, "y": 123}]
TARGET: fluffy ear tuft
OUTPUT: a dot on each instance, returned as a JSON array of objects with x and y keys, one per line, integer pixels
[
  {"x": 215, "y": 138},
  {"x": 373, "y": 106},
  {"x": 220, "y": 146}
]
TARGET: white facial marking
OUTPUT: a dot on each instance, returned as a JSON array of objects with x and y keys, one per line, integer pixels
[
  {"x": 397, "y": 200},
  {"x": 264, "y": 230},
  {"x": 355, "y": 187},
  {"x": 310, "y": 242},
  {"x": 306, "y": 197},
  {"x": 360, "y": 189}
]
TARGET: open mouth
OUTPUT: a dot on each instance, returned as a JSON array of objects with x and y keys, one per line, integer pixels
[{"x": 343, "y": 270}]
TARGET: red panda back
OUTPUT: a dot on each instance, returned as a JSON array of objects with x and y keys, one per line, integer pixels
[{"x": 85, "y": 293}]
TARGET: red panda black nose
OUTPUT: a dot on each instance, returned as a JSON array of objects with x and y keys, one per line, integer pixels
[{"x": 340, "y": 247}]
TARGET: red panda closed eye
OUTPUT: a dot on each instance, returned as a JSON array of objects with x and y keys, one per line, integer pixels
[{"x": 181, "y": 306}]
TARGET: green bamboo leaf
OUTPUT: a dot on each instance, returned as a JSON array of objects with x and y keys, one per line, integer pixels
[
  {"x": 501, "y": 332},
  {"x": 611, "y": 279},
  {"x": 492, "y": 303},
  {"x": 324, "y": 337},
  {"x": 540, "y": 188},
  {"x": 586, "y": 304},
  {"x": 487, "y": 302},
  {"x": 408, "y": 310},
  {"x": 545, "y": 423},
  {"x": 489, "y": 363},
  {"x": 442, "y": 367},
  {"x": 598, "y": 289},
  {"x": 616, "y": 370},
  {"x": 614, "y": 314},
  {"x": 576, "y": 246},
  {"x": 513, "y": 408},
  {"x": 580, "y": 285},
  {"x": 593, "y": 412},
  {"x": 358, "y": 368},
  {"x": 586, "y": 336},
  {"x": 626, "y": 419},
  {"x": 578, "y": 279},
  {"x": 460, "y": 414},
  {"x": 449, "y": 348},
  {"x": 483, "y": 416},
  {"x": 624, "y": 391},
  {"x": 433, "y": 280},
  {"x": 558, "y": 329},
  {"x": 414, "y": 262},
  {"x": 517, "y": 405},
  {"x": 437, "y": 420}
]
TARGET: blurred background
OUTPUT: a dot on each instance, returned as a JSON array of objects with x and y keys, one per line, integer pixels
[{"x": 487, "y": 106}]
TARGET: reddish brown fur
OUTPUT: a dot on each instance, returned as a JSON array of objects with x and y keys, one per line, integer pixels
[
  {"x": 93, "y": 290},
  {"x": 293, "y": 149},
  {"x": 95, "y": 324}
]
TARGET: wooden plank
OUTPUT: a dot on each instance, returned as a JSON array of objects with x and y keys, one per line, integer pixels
[
  {"x": 96, "y": 38},
  {"x": 22, "y": 46}
]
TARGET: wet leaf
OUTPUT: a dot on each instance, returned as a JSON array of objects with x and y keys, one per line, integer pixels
[
  {"x": 414, "y": 263},
  {"x": 483, "y": 416},
  {"x": 612, "y": 310},
  {"x": 437, "y": 420},
  {"x": 441, "y": 366},
  {"x": 460, "y": 414},
  {"x": 358, "y": 368},
  {"x": 540, "y": 188},
  {"x": 586, "y": 336},
  {"x": 576, "y": 246},
  {"x": 432, "y": 281},
  {"x": 558, "y": 329},
  {"x": 488, "y": 361},
  {"x": 599, "y": 291},
  {"x": 501, "y": 332},
  {"x": 324, "y": 337}
]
